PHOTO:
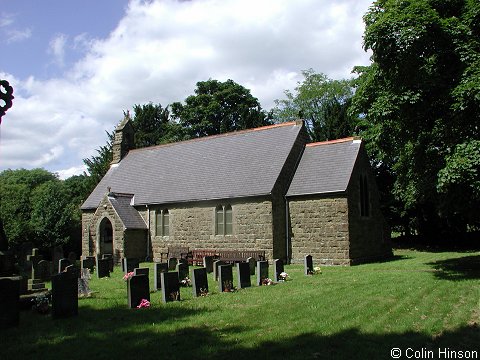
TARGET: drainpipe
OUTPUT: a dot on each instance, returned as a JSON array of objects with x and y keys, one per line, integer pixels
[
  {"x": 287, "y": 232},
  {"x": 148, "y": 232}
]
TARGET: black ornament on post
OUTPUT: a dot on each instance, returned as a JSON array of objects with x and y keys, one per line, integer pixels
[{"x": 6, "y": 97}]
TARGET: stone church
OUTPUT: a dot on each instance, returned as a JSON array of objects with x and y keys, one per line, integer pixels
[{"x": 258, "y": 189}]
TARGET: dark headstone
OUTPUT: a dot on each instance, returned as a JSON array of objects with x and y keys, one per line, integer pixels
[
  {"x": 170, "y": 286},
  {"x": 262, "y": 271},
  {"x": 183, "y": 270},
  {"x": 172, "y": 263},
  {"x": 141, "y": 271},
  {"x": 7, "y": 263},
  {"x": 88, "y": 263},
  {"x": 243, "y": 275},
  {"x": 103, "y": 268},
  {"x": 199, "y": 282},
  {"x": 158, "y": 268},
  {"x": 72, "y": 257},
  {"x": 308, "y": 265},
  {"x": 208, "y": 263},
  {"x": 26, "y": 249},
  {"x": 9, "y": 302},
  {"x": 225, "y": 278},
  {"x": 57, "y": 254},
  {"x": 34, "y": 259},
  {"x": 62, "y": 264},
  {"x": 64, "y": 294},
  {"x": 216, "y": 264},
  {"x": 278, "y": 268},
  {"x": 138, "y": 288},
  {"x": 43, "y": 270},
  {"x": 129, "y": 264},
  {"x": 74, "y": 270},
  {"x": 252, "y": 263},
  {"x": 110, "y": 261}
]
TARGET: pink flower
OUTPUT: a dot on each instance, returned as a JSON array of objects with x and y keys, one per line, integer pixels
[
  {"x": 143, "y": 304},
  {"x": 128, "y": 275}
]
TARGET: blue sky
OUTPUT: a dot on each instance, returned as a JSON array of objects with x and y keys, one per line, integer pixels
[{"x": 77, "y": 65}]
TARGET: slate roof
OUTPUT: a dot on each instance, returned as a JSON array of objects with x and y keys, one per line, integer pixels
[
  {"x": 239, "y": 164},
  {"x": 325, "y": 167},
  {"x": 129, "y": 216}
]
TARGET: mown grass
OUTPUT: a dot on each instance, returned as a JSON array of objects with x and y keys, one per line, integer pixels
[{"x": 417, "y": 300}]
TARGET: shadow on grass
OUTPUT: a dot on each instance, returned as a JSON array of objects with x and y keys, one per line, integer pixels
[
  {"x": 463, "y": 268},
  {"x": 154, "y": 334}
]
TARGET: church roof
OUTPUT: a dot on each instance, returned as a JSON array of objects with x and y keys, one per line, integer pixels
[
  {"x": 325, "y": 167},
  {"x": 239, "y": 164},
  {"x": 129, "y": 216}
]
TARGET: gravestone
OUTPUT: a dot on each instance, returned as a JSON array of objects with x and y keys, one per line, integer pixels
[
  {"x": 62, "y": 264},
  {"x": 262, "y": 271},
  {"x": 199, "y": 282},
  {"x": 129, "y": 264},
  {"x": 158, "y": 268},
  {"x": 72, "y": 257},
  {"x": 7, "y": 263},
  {"x": 84, "y": 283},
  {"x": 225, "y": 278},
  {"x": 216, "y": 264},
  {"x": 278, "y": 268},
  {"x": 243, "y": 275},
  {"x": 252, "y": 263},
  {"x": 103, "y": 268},
  {"x": 74, "y": 270},
  {"x": 170, "y": 286},
  {"x": 110, "y": 261},
  {"x": 57, "y": 254},
  {"x": 88, "y": 263},
  {"x": 35, "y": 283},
  {"x": 172, "y": 263},
  {"x": 141, "y": 271},
  {"x": 9, "y": 302},
  {"x": 43, "y": 270},
  {"x": 182, "y": 269},
  {"x": 138, "y": 288},
  {"x": 308, "y": 265},
  {"x": 26, "y": 249},
  {"x": 208, "y": 263},
  {"x": 64, "y": 294}
]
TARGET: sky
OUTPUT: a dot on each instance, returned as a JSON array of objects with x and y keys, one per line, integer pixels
[{"x": 77, "y": 65}]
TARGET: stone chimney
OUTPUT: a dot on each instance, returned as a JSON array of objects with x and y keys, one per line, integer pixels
[{"x": 123, "y": 140}]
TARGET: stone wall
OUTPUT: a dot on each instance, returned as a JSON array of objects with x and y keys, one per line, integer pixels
[
  {"x": 193, "y": 225},
  {"x": 319, "y": 227}
]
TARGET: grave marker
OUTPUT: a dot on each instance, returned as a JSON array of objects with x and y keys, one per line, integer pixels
[
  {"x": 158, "y": 268},
  {"x": 110, "y": 261},
  {"x": 9, "y": 302},
  {"x": 62, "y": 264},
  {"x": 103, "y": 268},
  {"x": 278, "y": 268},
  {"x": 225, "y": 278},
  {"x": 216, "y": 264},
  {"x": 64, "y": 294},
  {"x": 43, "y": 270},
  {"x": 262, "y": 271},
  {"x": 129, "y": 264},
  {"x": 88, "y": 263},
  {"x": 138, "y": 288},
  {"x": 252, "y": 263},
  {"x": 308, "y": 265},
  {"x": 172, "y": 263},
  {"x": 84, "y": 283},
  {"x": 170, "y": 286},
  {"x": 208, "y": 263},
  {"x": 243, "y": 275},
  {"x": 57, "y": 254},
  {"x": 182, "y": 269},
  {"x": 141, "y": 271},
  {"x": 199, "y": 282}
]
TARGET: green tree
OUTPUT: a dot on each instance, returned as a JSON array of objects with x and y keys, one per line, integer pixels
[
  {"x": 219, "y": 107},
  {"x": 420, "y": 98},
  {"x": 322, "y": 103}
]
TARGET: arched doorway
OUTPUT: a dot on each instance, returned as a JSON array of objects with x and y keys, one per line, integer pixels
[{"x": 105, "y": 237}]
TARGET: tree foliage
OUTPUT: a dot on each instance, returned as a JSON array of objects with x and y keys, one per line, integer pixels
[
  {"x": 420, "y": 99},
  {"x": 219, "y": 107},
  {"x": 322, "y": 103}
]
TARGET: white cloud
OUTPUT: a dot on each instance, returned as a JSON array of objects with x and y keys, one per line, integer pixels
[
  {"x": 6, "y": 19},
  {"x": 157, "y": 53},
  {"x": 10, "y": 34},
  {"x": 56, "y": 48}
]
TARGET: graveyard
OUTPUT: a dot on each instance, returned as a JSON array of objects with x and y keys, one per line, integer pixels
[{"x": 417, "y": 300}]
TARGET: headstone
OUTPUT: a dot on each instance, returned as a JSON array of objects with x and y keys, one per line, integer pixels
[
  {"x": 110, "y": 261},
  {"x": 252, "y": 263},
  {"x": 182, "y": 269},
  {"x": 74, "y": 270},
  {"x": 34, "y": 259},
  {"x": 225, "y": 278},
  {"x": 88, "y": 263},
  {"x": 103, "y": 268},
  {"x": 158, "y": 268},
  {"x": 141, "y": 271},
  {"x": 172, "y": 263},
  {"x": 72, "y": 257},
  {"x": 57, "y": 254},
  {"x": 26, "y": 249},
  {"x": 199, "y": 282},
  {"x": 62, "y": 264},
  {"x": 208, "y": 263},
  {"x": 138, "y": 288},
  {"x": 7, "y": 263},
  {"x": 308, "y": 265},
  {"x": 129, "y": 264},
  {"x": 9, "y": 302},
  {"x": 43, "y": 270},
  {"x": 170, "y": 286},
  {"x": 216, "y": 264},
  {"x": 262, "y": 271},
  {"x": 243, "y": 275},
  {"x": 64, "y": 294},
  {"x": 84, "y": 283},
  {"x": 278, "y": 268}
]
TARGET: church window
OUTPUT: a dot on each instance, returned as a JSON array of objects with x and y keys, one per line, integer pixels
[
  {"x": 223, "y": 220},
  {"x": 162, "y": 223}
]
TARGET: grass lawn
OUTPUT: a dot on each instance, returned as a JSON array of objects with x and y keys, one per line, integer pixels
[{"x": 421, "y": 301}]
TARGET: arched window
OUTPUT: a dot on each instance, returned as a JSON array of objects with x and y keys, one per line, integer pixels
[
  {"x": 223, "y": 220},
  {"x": 162, "y": 223}
]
